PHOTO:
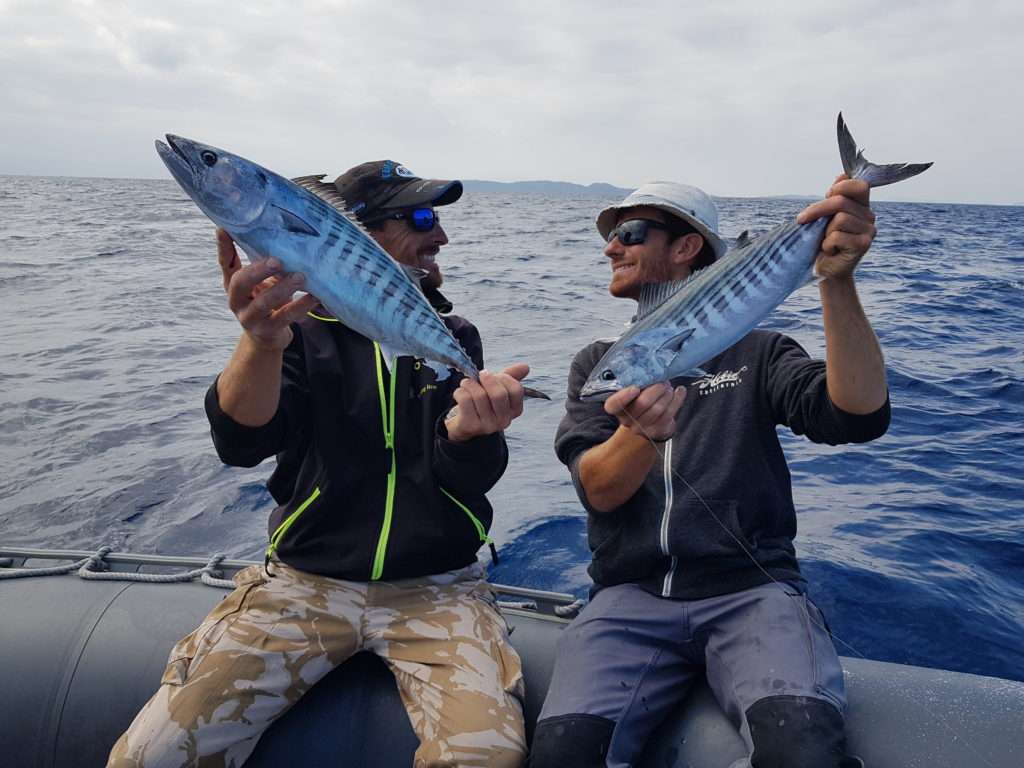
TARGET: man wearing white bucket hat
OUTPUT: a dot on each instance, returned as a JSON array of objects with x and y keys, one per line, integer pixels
[{"x": 690, "y": 509}]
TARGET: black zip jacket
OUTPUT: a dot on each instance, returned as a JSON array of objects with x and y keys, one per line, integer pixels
[
  {"x": 332, "y": 482},
  {"x": 726, "y": 447}
]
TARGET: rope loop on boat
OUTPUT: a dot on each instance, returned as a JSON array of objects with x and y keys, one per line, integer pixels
[
  {"x": 96, "y": 568},
  {"x": 59, "y": 570},
  {"x": 571, "y": 610}
]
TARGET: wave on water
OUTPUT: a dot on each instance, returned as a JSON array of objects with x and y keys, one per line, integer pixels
[{"x": 115, "y": 325}]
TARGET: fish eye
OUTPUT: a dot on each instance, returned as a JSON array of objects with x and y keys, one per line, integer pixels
[
  {"x": 608, "y": 375},
  {"x": 208, "y": 157}
]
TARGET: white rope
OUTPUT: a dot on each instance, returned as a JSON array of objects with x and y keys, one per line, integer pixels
[{"x": 96, "y": 568}]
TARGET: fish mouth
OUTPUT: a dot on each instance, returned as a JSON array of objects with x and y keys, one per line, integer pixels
[
  {"x": 176, "y": 160},
  {"x": 596, "y": 393},
  {"x": 175, "y": 143}
]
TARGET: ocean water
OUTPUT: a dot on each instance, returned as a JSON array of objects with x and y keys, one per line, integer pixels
[{"x": 114, "y": 324}]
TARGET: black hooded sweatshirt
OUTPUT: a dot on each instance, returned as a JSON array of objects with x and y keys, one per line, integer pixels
[
  {"x": 722, "y": 485},
  {"x": 350, "y": 506}
]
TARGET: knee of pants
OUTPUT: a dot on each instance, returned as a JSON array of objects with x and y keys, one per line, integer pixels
[
  {"x": 571, "y": 741},
  {"x": 797, "y": 732}
]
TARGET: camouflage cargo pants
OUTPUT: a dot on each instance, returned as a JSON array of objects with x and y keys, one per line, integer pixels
[{"x": 281, "y": 630}]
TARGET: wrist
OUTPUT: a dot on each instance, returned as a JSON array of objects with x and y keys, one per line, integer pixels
[
  {"x": 262, "y": 346},
  {"x": 451, "y": 426},
  {"x": 836, "y": 285}
]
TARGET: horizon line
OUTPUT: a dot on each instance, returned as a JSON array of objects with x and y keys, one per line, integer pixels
[{"x": 791, "y": 195}]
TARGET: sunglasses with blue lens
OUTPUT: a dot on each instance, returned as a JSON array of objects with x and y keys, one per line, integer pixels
[
  {"x": 634, "y": 231},
  {"x": 420, "y": 219}
]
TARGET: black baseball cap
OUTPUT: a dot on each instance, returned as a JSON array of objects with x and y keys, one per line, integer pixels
[{"x": 382, "y": 185}]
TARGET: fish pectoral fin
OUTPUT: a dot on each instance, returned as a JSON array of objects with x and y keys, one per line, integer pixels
[
  {"x": 671, "y": 348},
  {"x": 294, "y": 223}
]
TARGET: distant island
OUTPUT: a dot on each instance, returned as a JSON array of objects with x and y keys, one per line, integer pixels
[
  {"x": 546, "y": 188},
  {"x": 567, "y": 188}
]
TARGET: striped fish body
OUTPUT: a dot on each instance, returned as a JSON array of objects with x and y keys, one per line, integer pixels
[
  {"x": 345, "y": 268},
  {"x": 725, "y": 301},
  {"x": 721, "y": 303}
]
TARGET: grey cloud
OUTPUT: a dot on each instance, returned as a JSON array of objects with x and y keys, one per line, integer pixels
[{"x": 738, "y": 97}]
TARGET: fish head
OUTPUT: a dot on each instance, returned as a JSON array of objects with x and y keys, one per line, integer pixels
[
  {"x": 623, "y": 365},
  {"x": 640, "y": 359},
  {"x": 229, "y": 189}
]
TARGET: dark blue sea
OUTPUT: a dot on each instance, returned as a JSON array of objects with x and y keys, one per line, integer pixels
[{"x": 114, "y": 324}]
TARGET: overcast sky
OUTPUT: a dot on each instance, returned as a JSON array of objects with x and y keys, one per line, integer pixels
[{"x": 739, "y": 98}]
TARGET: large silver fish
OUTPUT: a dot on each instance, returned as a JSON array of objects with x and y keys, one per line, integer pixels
[
  {"x": 679, "y": 326},
  {"x": 345, "y": 268}
]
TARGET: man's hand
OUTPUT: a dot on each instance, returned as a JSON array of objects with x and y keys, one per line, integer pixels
[
  {"x": 260, "y": 295},
  {"x": 851, "y": 231},
  {"x": 651, "y": 412},
  {"x": 487, "y": 406}
]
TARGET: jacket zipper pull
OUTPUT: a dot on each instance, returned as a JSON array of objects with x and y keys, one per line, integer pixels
[{"x": 494, "y": 553}]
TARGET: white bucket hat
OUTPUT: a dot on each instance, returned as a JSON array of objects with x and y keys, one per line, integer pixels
[{"x": 692, "y": 205}]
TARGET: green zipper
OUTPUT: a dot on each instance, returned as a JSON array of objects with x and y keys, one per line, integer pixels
[
  {"x": 387, "y": 418},
  {"x": 283, "y": 527},
  {"x": 481, "y": 532},
  {"x": 473, "y": 518}
]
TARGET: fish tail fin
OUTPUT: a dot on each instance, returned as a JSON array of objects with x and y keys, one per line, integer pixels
[
  {"x": 535, "y": 393},
  {"x": 859, "y": 167}
]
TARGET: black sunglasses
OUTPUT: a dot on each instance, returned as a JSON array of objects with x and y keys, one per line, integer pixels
[
  {"x": 634, "y": 231},
  {"x": 420, "y": 219}
]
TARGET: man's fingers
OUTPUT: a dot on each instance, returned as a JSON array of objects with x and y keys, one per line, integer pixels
[
  {"x": 295, "y": 310},
  {"x": 850, "y": 195},
  {"x": 277, "y": 295},
  {"x": 247, "y": 283},
  {"x": 617, "y": 403},
  {"x": 652, "y": 399},
  {"x": 847, "y": 222},
  {"x": 857, "y": 190},
  {"x": 678, "y": 397},
  {"x": 518, "y": 371},
  {"x": 499, "y": 398},
  {"x": 476, "y": 412},
  {"x": 833, "y": 206},
  {"x": 227, "y": 257},
  {"x": 245, "y": 280}
]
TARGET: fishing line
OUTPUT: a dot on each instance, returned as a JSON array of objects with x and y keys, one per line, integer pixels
[{"x": 761, "y": 568}]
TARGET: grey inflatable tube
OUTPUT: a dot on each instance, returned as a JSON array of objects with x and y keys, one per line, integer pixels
[{"x": 79, "y": 658}]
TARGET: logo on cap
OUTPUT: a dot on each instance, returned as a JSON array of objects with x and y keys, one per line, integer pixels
[{"x": 405, "y": 173}]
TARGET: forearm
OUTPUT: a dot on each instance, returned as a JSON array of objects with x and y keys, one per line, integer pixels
[
  {"x": 614, "y": 470},
  {"x": 854, "y": 366},
  {"x": 249, "y": 389},
  {"x": 471, "y": 467}
]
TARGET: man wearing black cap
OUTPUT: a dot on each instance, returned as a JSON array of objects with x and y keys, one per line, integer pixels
[{"x": 380, "y": 485}]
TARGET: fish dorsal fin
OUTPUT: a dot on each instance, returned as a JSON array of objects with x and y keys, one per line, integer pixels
[
  {"x": 415, "y": 273},
  {"x": 743, "y": 239},
  {"x": 330, "y": 195},
  {"x": 326, "y": 192},
  {"x": 653, "y": 295}
]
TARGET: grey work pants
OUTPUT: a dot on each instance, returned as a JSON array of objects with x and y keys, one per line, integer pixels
[{"x": 631, "y": 656}]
